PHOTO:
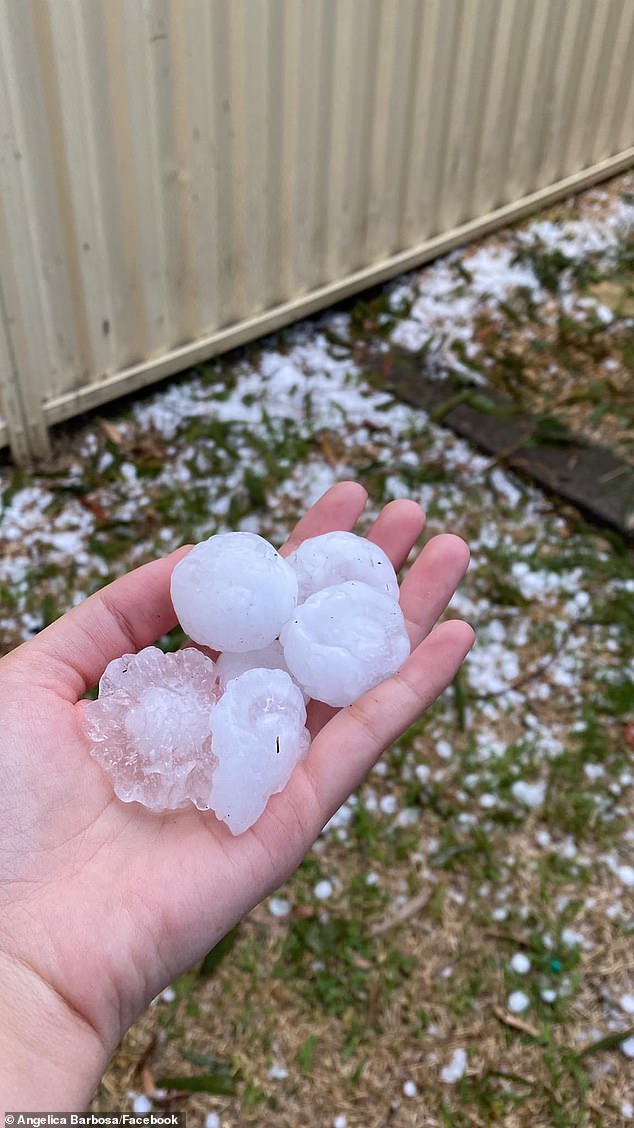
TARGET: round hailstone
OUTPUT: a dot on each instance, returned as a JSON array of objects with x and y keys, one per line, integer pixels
[
  {"x": 150, "y": 727},
  {"x": 333, "y": 558},
  {"x": 259, "y": 735},
  {"x": 343, "y": 641},
  {"x": 233, "y": 592}
]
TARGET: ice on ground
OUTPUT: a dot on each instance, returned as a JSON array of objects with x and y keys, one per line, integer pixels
[
  {"x": 520, "y": 963},
  {"x": 323, "y": 890},
  {"x": 279, "y": 906},
  {"x": 517, "y": 1002},
  {"x": 141, "y": 1105},
  {"x": 233, "y": 592},
  {"x": 259, "y": 736},
  {"x": 532, "y": 794},
  {"x": 456, "y": 1067},
  {"x": 150, "y": 727},
  {"x": 333, "y": 558},
  {"x": 343, "y": 641}
]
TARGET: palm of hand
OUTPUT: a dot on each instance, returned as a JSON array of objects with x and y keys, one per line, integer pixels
[{"x": 108, "y": 902}]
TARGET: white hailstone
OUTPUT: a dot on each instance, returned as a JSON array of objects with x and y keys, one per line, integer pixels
[
  {"x": 141, "y": 1105},
  {"x": 231, "y": 665},
  {"x": 233, "y": 592},
  {"x": 520, "y": 963},
  {"x": 333, "y": 558},
  {"x": 517, "y": 1002},
  {"x": 277, "y": 1072},
  {"x": 323, "y": 890},
  {"x": 279, "y": 906},
  {"x": 455, "y": 1069},
  {"x": 150, "y": 727},
  {"x": 532, "y": 794},
  {"x": 343, "y": 641},
  {"x": 259, "y": 735}
]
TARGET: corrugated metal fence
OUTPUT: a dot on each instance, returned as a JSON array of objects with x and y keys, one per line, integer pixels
[{"x": 178, "y": 176}]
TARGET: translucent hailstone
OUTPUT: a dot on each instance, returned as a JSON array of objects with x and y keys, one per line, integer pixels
[
  {"x": 233, "y": 592},
  {"x": 259, "y": 736},
  {"x": 231, "y": 665},
  {"x": 333, "y": 558},
  {"x": 270, "y": 657},
  {"x": 343, "y": 641},
  {"x": 150, "y": 727}
]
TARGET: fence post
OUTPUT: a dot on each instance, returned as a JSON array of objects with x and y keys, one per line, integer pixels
[{"x": 27, "y": 431}]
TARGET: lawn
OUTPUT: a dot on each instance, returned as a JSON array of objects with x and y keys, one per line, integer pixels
[{"x": 458, "y": 947}]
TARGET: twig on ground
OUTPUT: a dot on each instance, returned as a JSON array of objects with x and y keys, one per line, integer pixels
[
  {"x": 515, "y": 1023},
  {"x": 414, "y": 905}
]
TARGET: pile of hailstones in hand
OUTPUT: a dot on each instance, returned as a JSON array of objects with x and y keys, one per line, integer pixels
[{"x": 325, "y": 623}]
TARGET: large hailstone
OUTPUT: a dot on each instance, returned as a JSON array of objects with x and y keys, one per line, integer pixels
[
  {"x": 229, "y": 666},
  {"x": 233, "y": 592},
  {"x": 333, "y": 558},
  {"x": 343, "y": 641},
  {"x": 259, "y": 736},
  {"x": 150, "y": 727}
]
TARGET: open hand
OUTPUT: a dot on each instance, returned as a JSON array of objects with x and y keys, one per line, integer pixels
[{"x": 102, "y": 904}]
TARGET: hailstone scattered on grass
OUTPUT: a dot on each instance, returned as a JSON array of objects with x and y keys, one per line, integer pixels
[
  {"x": 233, "y": 592},
  {"x": 150, "y": 727},
  {"x": 333, "y": 558},
  {"x": 259, "y": 735},
  {"x": 344, "y": 640},
  {"x": 226, "y": 735}
]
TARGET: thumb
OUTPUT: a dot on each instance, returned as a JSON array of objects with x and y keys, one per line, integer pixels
[{"x": 130, "y": 613}]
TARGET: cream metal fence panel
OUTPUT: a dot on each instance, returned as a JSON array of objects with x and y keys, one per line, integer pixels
[{"x": 179, "y": 176}]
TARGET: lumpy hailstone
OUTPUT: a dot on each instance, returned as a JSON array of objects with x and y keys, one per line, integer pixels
[
  {"x": 333, "y": 558},
  {"x": 259, "y": 735},
  {"x": 233, "y": 592},
  {"x": 150, "y": 727},
  {"x": 343, "y": 641}
]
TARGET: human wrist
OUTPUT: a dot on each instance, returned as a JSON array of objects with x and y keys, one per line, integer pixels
[{"x": 51, "y": 1059}]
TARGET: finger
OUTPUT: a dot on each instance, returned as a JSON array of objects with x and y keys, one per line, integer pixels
[
  {"x": 342, "y": 755},
  {"x": 397, "y": 528},
  {"x": 130, "y": 613},
  {"x": 339, "y": 508},
  {"x": 431, "y": 582}
]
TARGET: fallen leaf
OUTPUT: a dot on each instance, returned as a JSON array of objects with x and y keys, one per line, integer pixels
[
  {"x": 147, "y": 1081},
  {"x": 111, "y": 432},
  {"x": 93, "y": 506},
  {"x": 327, "y": 448}
]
